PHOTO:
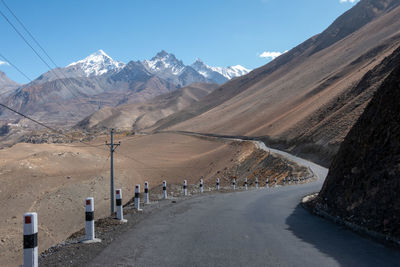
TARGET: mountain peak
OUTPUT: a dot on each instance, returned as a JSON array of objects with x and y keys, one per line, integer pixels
[
  {"x": 97, "y": 63},
  {"x": 164, "y": 61},
  {"x": 100, "y": 53},
  {"x": 161, "y": 54},
  {"x": 198, "y": 60}
]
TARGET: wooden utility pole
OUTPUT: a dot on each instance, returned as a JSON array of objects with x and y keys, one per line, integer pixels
[{"x": 112, "y": 146}]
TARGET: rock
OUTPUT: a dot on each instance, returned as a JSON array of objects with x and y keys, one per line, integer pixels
[{"x": 363, "y": 183}]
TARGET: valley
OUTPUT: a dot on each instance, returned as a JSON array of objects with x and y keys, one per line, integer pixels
[{"x": 328, "y": 107}]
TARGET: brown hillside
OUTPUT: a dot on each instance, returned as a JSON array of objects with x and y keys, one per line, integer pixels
[
  {"x": 142, "y": 115},
  {"x": 307, "y": 96},
  {"x": 363, "y": 184}
]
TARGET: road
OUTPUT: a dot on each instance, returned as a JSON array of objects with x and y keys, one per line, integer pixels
[{"x": 264, "y": 227}]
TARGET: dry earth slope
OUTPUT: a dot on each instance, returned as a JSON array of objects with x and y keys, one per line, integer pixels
[
  {"x": 363, "y": 185},
  {"x": 142, "y": 115},
  {"x": 309, "y": 98}
]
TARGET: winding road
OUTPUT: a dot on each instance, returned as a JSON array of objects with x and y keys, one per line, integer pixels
[{"x": 264, "y": 227}]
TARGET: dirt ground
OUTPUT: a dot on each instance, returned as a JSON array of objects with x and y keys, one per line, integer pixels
[{"x": 54, "y": 179}]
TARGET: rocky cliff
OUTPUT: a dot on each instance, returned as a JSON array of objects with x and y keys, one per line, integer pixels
[{"x": 363, "y": 184}]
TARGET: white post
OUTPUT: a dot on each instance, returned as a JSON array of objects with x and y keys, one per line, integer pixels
[
  {"x": 256, "y": 182},
  {"x": 118, "y": 204},
  {"x": 201, "y": 186},
  {"x": 233, "y": 184},
  {"x": 137, "y": 197},
  {"x": 164, "y": 188},
  {"x": 267, "y": 183},
  {"x": 290, "y": 181},
  {"x": 217, "y": 183},
  {"x": 89, "y": 217},
  {"x": 185, "y": 188},
  {"x": 146, "y": 193},
  {"x": 284, "y": 180},
  {"x": 275, "y": 182},
  {"x": 245, "y": 183},
  {"x": 30, "y": 240}
]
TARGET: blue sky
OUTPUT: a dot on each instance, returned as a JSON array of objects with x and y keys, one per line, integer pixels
[{"x": 220, "y": 32}]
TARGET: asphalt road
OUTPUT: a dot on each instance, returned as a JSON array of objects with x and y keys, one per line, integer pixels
[{"x": 264, "y": 227}]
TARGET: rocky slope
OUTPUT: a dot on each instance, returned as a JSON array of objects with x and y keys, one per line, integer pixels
[
  {"x": 6, "y": 85},
  {"x": 309, "y": 98},
  {"x": 363, "y": 183},
  {"x": 138, "y": 116}
]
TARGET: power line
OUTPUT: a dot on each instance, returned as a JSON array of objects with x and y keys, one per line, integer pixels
[
  {"x": 23, "y": 38},
  {"x": 34, "y": 50},
  {"x": 43, "y": 50},
  {"x": 15, "y": 67},
  {"x": 29, "y": 118},
  {"x": 48, "y": 127},
  {"x": 33, "y": 38}
]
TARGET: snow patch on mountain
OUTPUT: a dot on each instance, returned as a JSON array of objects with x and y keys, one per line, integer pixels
[
  {"x": 97, "y": 63},
  {"x": 164, "y": 61},
  {"x": 228, "y": 72}
]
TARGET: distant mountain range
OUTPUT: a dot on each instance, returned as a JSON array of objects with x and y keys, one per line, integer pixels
[
  {"x": 163, "y": 65},
  {"x": 66, "y": 95}
]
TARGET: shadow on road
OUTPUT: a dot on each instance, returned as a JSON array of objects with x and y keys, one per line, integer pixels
[{"x": 344, "y": 246}]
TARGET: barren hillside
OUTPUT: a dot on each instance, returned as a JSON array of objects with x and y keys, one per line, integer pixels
[
  {"x": 138, "y": 116},
  {"x": 309, "y": 98},
  {"x": 363, "y": 186}
]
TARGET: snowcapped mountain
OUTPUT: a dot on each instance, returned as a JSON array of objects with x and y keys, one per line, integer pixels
[
  {"x": 219, "y": 73},
  {"x": 96, "y": 64},
  {"x": 164, "y": 62},
  {"x": 167, "y": 66}
]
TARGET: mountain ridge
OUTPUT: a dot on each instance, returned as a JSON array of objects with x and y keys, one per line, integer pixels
[{"x": 288, "y": 100}]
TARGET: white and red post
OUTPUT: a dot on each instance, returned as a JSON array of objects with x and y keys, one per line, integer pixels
[
  {"x": 233, "y": 184},
  {"x": 256, "y": 182},
  {"x": 30, "y": 239},
  {"x": 118, "y": 204},
  {"x": 137, "y": 197},
  {"x": 275, "y": 182},
  {"x": 146, "y": 193},
  {"x": 201, "y": 186},
  {"x": 164, "y": 188},
  {"x": 185, "y": 188},
  {"x": 89, "y": 218},
  {"x": 217, "y": 183},
  {"x": 267, "y": 183},
  {"x": 245, "y": 183}
]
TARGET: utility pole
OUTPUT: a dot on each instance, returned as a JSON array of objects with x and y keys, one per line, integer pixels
[{"x": 112, "y": 146}]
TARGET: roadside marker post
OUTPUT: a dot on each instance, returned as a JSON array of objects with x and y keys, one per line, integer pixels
[
  {"x": 89, "y": 218},
  {"x": 30, "y": 239},
  {"x": 245, "y": 183},
  {"x": 118, "y": 204},
  {"x": 146, "y": 193},
  {"x": 164, "y": 187},
  {"x": 217, "y": 183},
  {"x": 185, "y": 188},
  {"x": 284, "y": 181},
  {"x": 256, "y": 182},
  {"x": 137, "y": 197},
  {"x": 290, "y": 180},
  {"x": 267, "y": 183},
  {"x": 201, "y": 186},
  {"x": 234, "y": 184},
  {"x": 275, "y": 182}
]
